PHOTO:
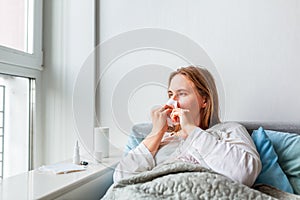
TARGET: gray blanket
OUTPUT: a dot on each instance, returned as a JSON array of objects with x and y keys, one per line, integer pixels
[{"x": 181, "y": 180}]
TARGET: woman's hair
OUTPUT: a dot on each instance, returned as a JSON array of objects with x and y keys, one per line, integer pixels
[{"x": 206, "y": 87}]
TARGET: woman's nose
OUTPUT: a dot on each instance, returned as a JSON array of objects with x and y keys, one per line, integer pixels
[{"x": 174, "y": 97}]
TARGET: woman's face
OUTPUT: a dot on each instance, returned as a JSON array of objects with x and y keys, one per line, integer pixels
[{"x": 184, "y": 91}]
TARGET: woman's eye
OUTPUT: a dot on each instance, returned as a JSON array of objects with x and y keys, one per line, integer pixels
[{"x": 182, "y": 94}]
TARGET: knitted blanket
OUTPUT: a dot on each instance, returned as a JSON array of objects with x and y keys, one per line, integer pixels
[{"x": 182, "y": 180}]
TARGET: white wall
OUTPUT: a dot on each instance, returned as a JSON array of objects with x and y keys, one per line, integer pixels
[
  {"x": 254, "y": 45},
  {"x": 68, "y": 41}
]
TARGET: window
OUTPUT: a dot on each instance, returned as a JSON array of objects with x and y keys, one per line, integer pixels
[
  {"x": 20, "y": 33},
  {"x": 16, "y": 99},
  {"x": 16, "y": 29},
  {"x": 2, "y": 113},
  {"x": 20, "y": 73}
]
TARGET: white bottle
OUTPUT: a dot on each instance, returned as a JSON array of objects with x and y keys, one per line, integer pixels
[{"x": 76, "y": 156}]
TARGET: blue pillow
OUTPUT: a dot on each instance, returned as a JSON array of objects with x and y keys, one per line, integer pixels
[
  {"x": 137, "y": 135},
  {"x": 271, "y": 172},
  {"x": 287, "y": 147}
]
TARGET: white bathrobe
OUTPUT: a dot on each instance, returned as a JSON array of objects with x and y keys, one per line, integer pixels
[{"x": 226, "y": 148}]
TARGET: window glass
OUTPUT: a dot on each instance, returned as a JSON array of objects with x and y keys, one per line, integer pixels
[
  {"x": 16, "y": 24},
  {"x": 15, "y": 98}
]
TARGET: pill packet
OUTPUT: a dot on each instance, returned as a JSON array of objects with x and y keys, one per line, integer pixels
[{"x": 172, "y": 126}]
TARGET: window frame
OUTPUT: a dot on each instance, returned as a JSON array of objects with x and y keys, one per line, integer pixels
[
  {"x": 17, "y": 58},
  {"x": 30, "y": 65}
]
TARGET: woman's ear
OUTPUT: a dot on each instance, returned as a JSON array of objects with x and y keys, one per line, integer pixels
[{"x": 204, "y": 102}]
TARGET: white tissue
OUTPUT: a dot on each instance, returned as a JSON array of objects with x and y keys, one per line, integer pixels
[
  {"x": 171, "y": 124},
  {"x": 172, "y": 102}
]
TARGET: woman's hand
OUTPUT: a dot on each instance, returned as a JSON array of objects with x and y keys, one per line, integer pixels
[
  {"x": 185, "y": 118},
  {"x": 160, "y": 126},
  {"x": 159, "y": 119}
]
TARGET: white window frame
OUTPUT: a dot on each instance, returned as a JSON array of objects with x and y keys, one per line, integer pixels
[
  {"x": 18, "y": 63},
  {"x": 17, "y": 58}
]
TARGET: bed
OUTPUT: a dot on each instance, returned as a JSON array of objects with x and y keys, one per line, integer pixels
[{"x": 279, "y": 179}]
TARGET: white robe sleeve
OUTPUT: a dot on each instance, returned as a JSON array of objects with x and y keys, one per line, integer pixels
[
  {"x": 227, "y": 149},
  {"x": 137, "y": 160}
]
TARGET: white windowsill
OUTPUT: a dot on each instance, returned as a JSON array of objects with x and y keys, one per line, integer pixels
[{"x": 43, "y": 185}]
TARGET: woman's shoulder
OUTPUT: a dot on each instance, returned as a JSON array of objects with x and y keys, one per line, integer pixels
[
  {"x": 229, "y": 124},
  {"x": 228, "y": 127}
]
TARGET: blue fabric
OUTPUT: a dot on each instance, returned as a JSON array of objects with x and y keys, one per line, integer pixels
[
  {"x": 137, "y": 135},
  {"x": 132, "y": 142},
  {"x": 287, "y": 147},
  {"x": 271, "y": 172}
]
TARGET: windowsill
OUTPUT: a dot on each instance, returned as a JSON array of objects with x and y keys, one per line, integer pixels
[{"x": 40, "y": 185}]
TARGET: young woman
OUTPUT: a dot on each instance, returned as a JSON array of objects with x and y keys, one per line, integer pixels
[{"x": 226, "y": 148}]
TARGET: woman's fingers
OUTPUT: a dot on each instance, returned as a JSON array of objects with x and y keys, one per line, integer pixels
[
  {"x": 181, "y": 115},
  {"x": 185, "y": 116},
  {"x": 159, "y": 115},
  {"x": 180, "y": 112},
  {"x": 159, "y": 120},
  {"x": 184, "y": 112},
  {"x": 164, "y": 109},
  {"x": 177, "y": 115}
]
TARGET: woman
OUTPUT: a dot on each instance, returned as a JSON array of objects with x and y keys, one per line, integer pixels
[{"x": 226, "y": 148}]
